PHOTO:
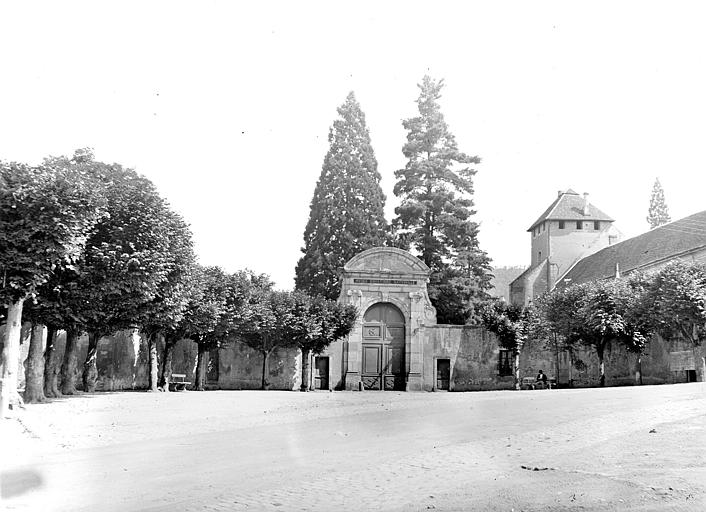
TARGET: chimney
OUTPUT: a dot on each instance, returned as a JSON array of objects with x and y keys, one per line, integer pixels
[{"x": 585, "y": 203}]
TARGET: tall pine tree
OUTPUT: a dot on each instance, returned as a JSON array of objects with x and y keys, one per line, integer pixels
[
  {"x": 434, "y": 216},
  {"x": 347, "y": 209},
  {"x": 658, "y": 213}
]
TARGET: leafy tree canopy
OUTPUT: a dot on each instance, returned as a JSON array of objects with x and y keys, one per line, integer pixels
[
  {"x": 47, "y": 213},
  {"x": 271, "y": 321},
  {"x": 603, "y": 316},
  {"x": 225, "y": 306},
  {"x": 512, "y": 324},
  {"x": 320, "y": 321},
  {"x": 128, "y": 257},
  {"x": 559, "y": 311},
  {"x": 166, "y": 310},
  {"x": 675, "y": 299}
]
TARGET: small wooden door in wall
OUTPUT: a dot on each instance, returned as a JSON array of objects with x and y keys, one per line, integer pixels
[
  {"x": 443, "y": 373},
  {"x": 321, "y": 372}
]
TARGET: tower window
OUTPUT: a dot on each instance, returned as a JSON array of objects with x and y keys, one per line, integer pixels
[
  {"x": 540, "y": 255},
  {"x": 561, "y": 224},
  {"x": 579, "y": 224},
  {"x": 596, "y": 224}
]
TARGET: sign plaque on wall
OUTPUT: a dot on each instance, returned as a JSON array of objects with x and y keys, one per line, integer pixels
[{"x": 383, "y": 281}]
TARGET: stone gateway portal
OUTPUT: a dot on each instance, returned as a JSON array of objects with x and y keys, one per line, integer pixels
[{"x": 383, "y": 348}]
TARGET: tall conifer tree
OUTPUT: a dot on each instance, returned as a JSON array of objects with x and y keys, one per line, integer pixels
[
  {"x": 434, "y": 217},
  {"x": 347, "y": 209},
  {"x": 658, "y": 213}
]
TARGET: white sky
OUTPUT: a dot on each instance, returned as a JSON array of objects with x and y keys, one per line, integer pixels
[{"x": 226, "y": 106}]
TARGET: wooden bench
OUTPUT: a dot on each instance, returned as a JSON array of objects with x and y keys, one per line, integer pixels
[
  {"x": 177, "y": 382},
  {"x": 532, "y": 383},
  {"x": 527, "y": 383}
]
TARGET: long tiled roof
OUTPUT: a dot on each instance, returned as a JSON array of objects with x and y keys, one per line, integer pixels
[
  {"x": 659, "y": 244},
  {"x": 569, "y": 206}
]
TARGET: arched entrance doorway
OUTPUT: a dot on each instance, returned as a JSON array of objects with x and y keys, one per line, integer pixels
[{"x": 382, "y": 365}]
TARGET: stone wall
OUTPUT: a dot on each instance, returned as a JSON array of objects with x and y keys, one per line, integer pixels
[
  {"x": 581, "y": 367},
  {"x": 473, "y": 354},
  {"x": 122, "y": 361},
  {"x": 240, "y": 367}
]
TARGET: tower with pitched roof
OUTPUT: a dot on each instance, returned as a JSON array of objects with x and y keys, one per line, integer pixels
[{"x": 571, "y": 228}]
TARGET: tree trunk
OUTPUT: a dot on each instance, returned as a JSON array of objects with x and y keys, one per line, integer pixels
[
  {"x": 10, "y": 357},
  {"x": 557, "y": 367},
  {"x": 265, "y": 369},
  {"x": 152, "y": 340},
  {"x": 571, "y": 368},
  {"x": 638, "y": 370},
  {"x": 68, "y": 366},
  {"x": 50, "y": 366},
  {"x": 516, "y": 370},
  {"x": 90, "y": 369},
  {"x": 166, "y": 370},
  {"x": 34, "y": 376},
  {"x": 306, "y": 356},
  {"x": 601, "y": 366},
  {"x": 201, "y": 368}
]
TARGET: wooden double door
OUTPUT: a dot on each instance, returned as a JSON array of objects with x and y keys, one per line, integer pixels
[{"x": 383, "y": 357}]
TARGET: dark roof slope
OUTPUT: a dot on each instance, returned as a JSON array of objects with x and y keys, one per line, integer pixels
[
  {"x": 659, "y": 244},
  {"x": 569, "y": 206}
]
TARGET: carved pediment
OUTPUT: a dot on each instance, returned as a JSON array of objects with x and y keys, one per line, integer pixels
[{"x": 386, "y": 260}]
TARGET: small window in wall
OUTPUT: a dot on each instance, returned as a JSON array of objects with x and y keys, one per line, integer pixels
[
  {"x": 505, "y": 362},
  {"x": 543, "y": 228},
  {"x": 579, "y": 224},
  {"x": 596, "y": 225},
  {"x": 540, "y": 255},
  {"x": 561, "y": 224}
]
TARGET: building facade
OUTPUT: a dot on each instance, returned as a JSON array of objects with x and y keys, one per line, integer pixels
[{"x": 570, "y": 229}]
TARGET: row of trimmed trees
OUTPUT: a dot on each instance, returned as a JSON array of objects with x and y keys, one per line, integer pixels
[
  {"x": 88, "y": 247},
  {"x": 434, "y": 216},
  {"x": 670, "y": 302}
]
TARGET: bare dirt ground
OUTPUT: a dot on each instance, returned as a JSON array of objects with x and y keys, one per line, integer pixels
[{"x": 632, "y": 448}]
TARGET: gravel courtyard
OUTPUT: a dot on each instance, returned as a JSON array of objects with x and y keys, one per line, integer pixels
[{"x": 631, "y": 448}]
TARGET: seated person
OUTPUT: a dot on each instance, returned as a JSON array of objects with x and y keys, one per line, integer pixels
[{"x": 541, "y": 378}]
